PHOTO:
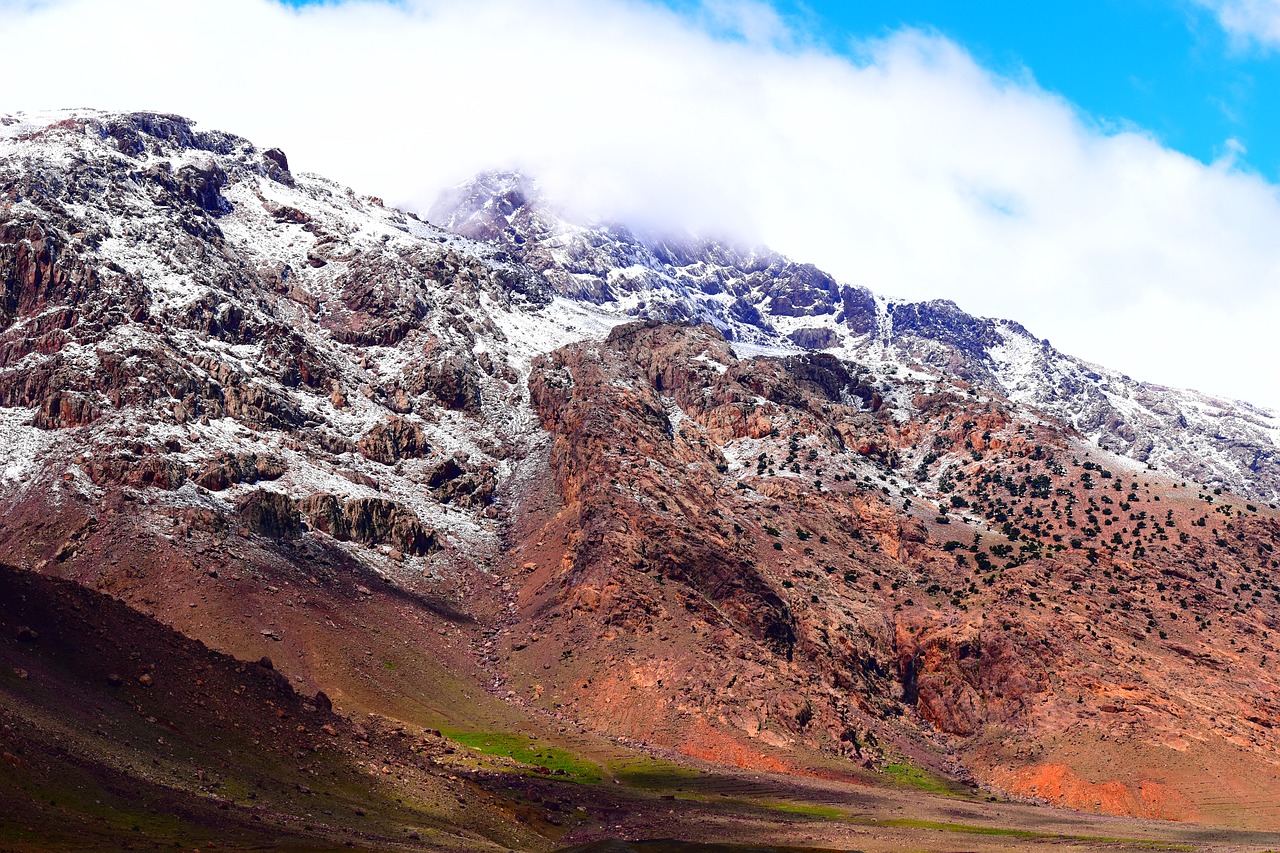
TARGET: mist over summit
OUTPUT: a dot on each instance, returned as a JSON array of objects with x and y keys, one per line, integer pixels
[{"x": 911, "y": 162}]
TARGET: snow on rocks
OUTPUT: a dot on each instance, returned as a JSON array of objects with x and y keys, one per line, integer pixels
[{"x": 768, "y": 305}]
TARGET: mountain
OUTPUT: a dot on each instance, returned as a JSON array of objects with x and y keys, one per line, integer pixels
[{"x": 664, "y": 505}]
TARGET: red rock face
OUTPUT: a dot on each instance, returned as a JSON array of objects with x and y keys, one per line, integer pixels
[
  {"x": 670, "y": 540},
  {"x": 62, "y": 409},
  {"x": 597, "y": 422},
  {"x": 35, "y": 277},
  {"x": 874, "y": 619}
]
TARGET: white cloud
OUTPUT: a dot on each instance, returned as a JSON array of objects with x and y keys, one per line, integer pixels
[
  {"x": 1248, "y": 21},
  {"x": 912, "y": 170}
]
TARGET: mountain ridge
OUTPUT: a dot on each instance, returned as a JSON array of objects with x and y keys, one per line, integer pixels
[{"x": 802, "y": 307}]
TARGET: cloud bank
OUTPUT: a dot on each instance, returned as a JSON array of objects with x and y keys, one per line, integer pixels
[
  {"x": 1248, "y": 21},
  {"x": 910, "y": 169}
]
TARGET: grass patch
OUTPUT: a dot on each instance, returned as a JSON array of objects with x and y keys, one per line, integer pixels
[
  {"x": 967, "y": 828},
  {"x": 915, "y": 777},
  {"x": 825, "y": 812},
  {"x": 1025, "y": 834},
  {"x": 518, "y": 748}
]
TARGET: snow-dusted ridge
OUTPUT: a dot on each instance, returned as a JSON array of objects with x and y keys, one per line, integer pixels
[
  {"x": 770, "y": 305},
  {"x": 329, "y": 314},
  {"x": 185, "y": 275}
]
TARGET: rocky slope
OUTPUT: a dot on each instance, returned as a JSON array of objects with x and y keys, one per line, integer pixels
[
  {"x": 782, "y": 524},
  {"x": 759, "y": 546},
  {"x": 155, "y": 737}
]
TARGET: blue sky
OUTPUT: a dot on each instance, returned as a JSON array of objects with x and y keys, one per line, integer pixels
[{"x": 1163, "y": 65}]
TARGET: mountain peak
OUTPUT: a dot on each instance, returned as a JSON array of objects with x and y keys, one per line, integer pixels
[
  {"x": 759, "y": 298},
  {"x": 483, "y": 207}
]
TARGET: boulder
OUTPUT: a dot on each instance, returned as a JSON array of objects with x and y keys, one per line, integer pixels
[
  {"x": 271, "y": 514},
  {"x": 393, "y": 440},
  {"x": 370, "y": 521}
]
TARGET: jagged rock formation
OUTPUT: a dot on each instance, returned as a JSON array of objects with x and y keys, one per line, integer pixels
[{"x": 780, "y": 523}]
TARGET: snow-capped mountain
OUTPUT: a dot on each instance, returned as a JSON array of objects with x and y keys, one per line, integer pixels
[
  {"x": 648, "y": 496},
  {"x": 176, "y": 286},
  {"x": 758, "y": 297},
  {"x": 344, "y": 260}
]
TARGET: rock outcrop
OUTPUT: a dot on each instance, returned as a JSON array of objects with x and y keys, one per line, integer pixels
[{"x": 372, "y": 521}]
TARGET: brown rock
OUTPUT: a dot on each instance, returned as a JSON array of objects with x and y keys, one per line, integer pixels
[
  {"x": 276, "y": 156},
  {"x": 64, "y": 409},
  {"x": 371, "y": 521},
  {"x": 271, "y": 514},
  {"x": 394, "y": 440},
  {"x": 452, "y": 379}
]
